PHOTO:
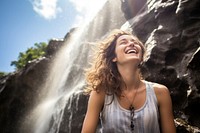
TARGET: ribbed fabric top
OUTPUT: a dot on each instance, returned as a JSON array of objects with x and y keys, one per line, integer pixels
[{"x": 116, "y": 119}]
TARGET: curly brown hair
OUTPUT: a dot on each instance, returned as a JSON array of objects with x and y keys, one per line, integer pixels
[{"x": 103, "y": 74}]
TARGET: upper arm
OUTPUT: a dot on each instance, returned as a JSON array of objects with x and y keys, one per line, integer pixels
[
  {"x": 165, "y": 108},
  {"x": 95, "y": 105}
]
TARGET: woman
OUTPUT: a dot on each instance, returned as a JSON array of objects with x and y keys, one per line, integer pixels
[{"x": 124, "y": 102}]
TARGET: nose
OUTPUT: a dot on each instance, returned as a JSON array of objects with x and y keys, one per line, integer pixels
[{"x": 131, "y": 43}]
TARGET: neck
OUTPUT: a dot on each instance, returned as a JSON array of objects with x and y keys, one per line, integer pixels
[{"x": 130, "y": 75}]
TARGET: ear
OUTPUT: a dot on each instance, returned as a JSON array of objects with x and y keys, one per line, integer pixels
[{"x": 114, "y": 59}]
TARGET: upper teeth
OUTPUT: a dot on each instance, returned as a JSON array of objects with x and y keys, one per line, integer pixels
[{"x": 131, "y": 51}]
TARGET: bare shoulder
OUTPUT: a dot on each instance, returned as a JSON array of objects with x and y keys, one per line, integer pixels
[
  {"x": 97, "y": 97},
  {"x": 162, "y": 92},
  {"x": 100, "y": 93},
  {"x": 160, "y": 89}
]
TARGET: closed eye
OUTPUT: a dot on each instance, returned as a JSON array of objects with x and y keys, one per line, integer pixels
[{"x": 123, "y": 42}]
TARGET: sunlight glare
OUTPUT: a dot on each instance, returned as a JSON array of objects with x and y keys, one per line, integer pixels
[{"x": 87, "y": 9}]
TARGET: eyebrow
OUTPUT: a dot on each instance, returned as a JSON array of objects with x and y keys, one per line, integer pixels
[{"x": 125, "y": 39}]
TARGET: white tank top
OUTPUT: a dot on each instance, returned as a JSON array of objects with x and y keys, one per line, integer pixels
[{"x": 116, "y": 119}]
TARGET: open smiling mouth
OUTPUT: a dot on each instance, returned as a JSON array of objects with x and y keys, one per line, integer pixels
[{"x": 130, "y": 51}]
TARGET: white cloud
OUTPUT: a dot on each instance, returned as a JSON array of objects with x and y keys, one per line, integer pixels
[
  {"x": 46, "y": 8},
  {"x": 86, "y": 9}
]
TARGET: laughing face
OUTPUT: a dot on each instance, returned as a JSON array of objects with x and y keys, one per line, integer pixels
[{"x": 128, "y": 48}]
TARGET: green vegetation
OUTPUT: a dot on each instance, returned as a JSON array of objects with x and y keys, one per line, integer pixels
[
  {"x": 31, "y": 53},
  {"x": 2, "y": 74}
]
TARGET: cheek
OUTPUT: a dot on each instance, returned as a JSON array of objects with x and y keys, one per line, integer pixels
[
  {"x": 118, "y": 54},
  {"x": 142, "y": 56},
  {"x": 141, "y": 53},
  {"x": 118, "y": 50}
]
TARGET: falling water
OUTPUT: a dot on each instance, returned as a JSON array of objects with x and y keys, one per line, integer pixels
[
  {"x": 56, "y": 89},
  {"x": 65, "y": 77},
  {"x": 66, "y": 72}
]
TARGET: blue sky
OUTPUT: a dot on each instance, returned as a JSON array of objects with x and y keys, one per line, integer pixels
[{"x": 26, "y": 22}]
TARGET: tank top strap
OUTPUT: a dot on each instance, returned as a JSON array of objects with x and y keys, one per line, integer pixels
[{"x": 150, "y": 91}]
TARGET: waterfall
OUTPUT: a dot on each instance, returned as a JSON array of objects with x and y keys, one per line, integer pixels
[
  {"x": 66, "y": 73},
  {"x": 58, "y": 91},
  {"x": 65, "y": 77}
]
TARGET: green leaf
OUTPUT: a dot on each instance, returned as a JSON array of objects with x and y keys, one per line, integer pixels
[{"x": 39, "y": 50}]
